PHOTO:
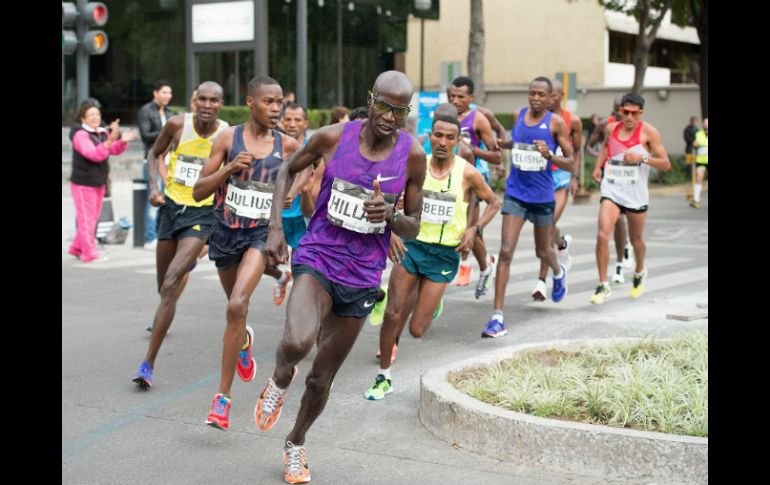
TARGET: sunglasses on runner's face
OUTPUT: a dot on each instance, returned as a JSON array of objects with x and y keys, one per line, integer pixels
[
  {"x": 382, "y": 107},
  {"x": 632, "y": 112}
]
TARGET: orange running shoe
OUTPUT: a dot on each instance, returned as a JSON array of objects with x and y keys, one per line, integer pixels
[
  {"x": 295, "y": 468},
  {"x": 279, "y": 292},
  {"x": 464, "y": 275},
  {"x": 269, "y": 404}
]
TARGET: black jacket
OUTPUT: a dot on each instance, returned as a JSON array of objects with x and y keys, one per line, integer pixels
[
  {"x": 689, "y": 137},
  {"x": 86, "y": 172},
  {"x": 150, "y": 123}
]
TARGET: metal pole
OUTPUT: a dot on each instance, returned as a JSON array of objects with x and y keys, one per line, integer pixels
[
  {"x": 422, "y": 54},
  {"x": 302, "y": 52},
  {"x": 82, "y": 57},
  {"x": 190, "y": 69},
  {"x": 260, "y": 46},
  {"x": 339, "y": 52}
]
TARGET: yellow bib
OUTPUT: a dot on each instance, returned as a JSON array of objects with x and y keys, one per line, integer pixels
[
  {"x": 187, "y": 161},
  {"x": 444, "y": 208}
]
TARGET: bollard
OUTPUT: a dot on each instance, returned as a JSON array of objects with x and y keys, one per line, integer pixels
[{"x": 140, "y": 199}]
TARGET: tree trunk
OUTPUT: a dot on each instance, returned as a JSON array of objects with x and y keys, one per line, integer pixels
[
  {"x": 640, "y": 61},
  {"x": 644, "y": 40},
  {"x": 476, "y": 51}
]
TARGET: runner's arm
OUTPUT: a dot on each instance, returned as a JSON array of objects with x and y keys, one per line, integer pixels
[
  {"x": 577, "y": 144},
  {"x": 161, "y": 146},
  {"x": 492, "y": 154},
  {"x": 565, "y": 161},
  {"x": 659, "y": 156},
  {"x": 407, "y": 226},
  {"x": 215, "y": 172},
  {"x": 478, "y": 188},
  {"x": 597, "y": 172},
  {"x": 497, "y": 127},
  {"x": 593, "y": 139}
]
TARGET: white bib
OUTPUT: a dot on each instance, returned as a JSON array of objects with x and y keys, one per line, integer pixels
[
  {"x": 346, "y": 208},
  {"x": 187, "y": 169},
  {"x": 703, "y": 150},
  {"x": 526, "y": 158},
  {"x": 619, "y": 173},
  {"x": 252, "y": 200},
  {"x": 437, "y": 207}
]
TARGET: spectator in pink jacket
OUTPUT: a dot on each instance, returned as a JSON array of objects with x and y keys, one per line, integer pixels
[{"x": 91, "y": 149}]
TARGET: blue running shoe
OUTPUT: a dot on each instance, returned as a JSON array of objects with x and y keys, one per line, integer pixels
[
  {"x": 495, "y": 328},
  {"x": 559, "y": 287},
  {"x": 143, "y": 376}
]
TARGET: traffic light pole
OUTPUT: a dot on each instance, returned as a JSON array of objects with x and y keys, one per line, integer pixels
[{"x": 81, "y": 56}]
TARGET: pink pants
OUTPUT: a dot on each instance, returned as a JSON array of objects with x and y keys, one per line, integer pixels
[{"x": 88, "y": 205}]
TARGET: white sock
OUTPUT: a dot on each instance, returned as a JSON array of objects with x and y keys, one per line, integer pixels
[
  {"x": 560, "y": 275},
  {"x": 698, "y": 189},
  {"x": 385, "y": 372},
  {"x": 619, "y": 263},
  {"x": 498, "y": 315},
  {"x": 283, "y": 278},
  {"x": 488, "y": 270}
]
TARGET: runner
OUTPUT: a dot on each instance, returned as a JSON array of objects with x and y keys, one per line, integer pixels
[
  {"x": 183, "y": 222},
  {"x": 295, "y": 123},
  {"x": 478, "y": 130},
  {"x": 563, "y": 181},
  {"x": 426, "y": 265},
  {"x": 529, "y": 194},
  {"x": 242, "y": 169},
  {"x": 339, "y": 263},
  {"x": 701, "y": 146},
  {"x": 631, "y": 147}
]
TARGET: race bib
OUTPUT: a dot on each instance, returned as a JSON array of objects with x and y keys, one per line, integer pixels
[
  {"x": 703, "y": 150},
  {"x": 345, "y": 208},
  {"x": 526, "y": 158},
  {"x": 249, "y": 199},
  {"x": 187, "y": 169},
  {"x": 438, "y": 207},
  {"x": 617, "y": 172}
]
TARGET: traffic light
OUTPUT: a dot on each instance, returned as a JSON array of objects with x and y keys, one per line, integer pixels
[{"x": 82, "y": 16}]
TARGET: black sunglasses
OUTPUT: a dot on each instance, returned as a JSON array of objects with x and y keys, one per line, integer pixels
[{"x": 382, "y": 107}]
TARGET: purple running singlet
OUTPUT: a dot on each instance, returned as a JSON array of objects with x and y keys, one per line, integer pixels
[{"x": 340, "y": 242}]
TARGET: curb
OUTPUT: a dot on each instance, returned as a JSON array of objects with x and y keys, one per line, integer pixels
[{"x": 562, "y": 446}]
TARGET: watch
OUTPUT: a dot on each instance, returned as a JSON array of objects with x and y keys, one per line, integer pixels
[
  {"x": 394, "y": 217},
  {"x": 645, "y": 158},
  {"x": 479, "y": 230}
]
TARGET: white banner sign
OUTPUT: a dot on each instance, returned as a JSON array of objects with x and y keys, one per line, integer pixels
[{"x": 223, "y": 22}]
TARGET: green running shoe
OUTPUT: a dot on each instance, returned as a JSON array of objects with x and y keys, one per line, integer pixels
[
  {"x": 378, "y": 390},
  {"x": 378, "y": 313},
  {"x": 439, "y": 309}
]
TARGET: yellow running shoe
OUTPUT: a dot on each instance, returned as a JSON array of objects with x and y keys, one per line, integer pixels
[
  {"x": 638, "y": 287},
  {"x": 602, "y": 292}
]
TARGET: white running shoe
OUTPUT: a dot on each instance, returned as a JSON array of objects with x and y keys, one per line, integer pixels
[{"x": 540, "y": 293}]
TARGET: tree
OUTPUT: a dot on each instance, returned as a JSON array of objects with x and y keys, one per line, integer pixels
[
  {"x": 649, "y": 14},
  {"x": 476, "y": 50},
  {"x": 684, "y": 12}
]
